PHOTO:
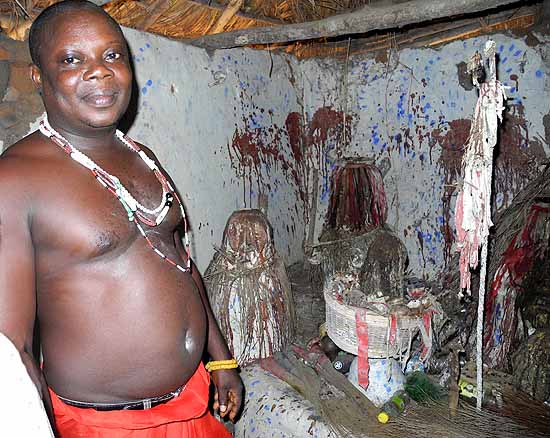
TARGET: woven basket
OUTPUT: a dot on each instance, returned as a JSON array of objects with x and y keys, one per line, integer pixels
[{"x": 341, "y": 328}]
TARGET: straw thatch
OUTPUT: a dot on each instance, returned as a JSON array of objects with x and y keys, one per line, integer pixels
[
  {"x": 510, "y": 221},
  {"x": 300, "y": 11},
  {"x": 179, "y": 19}
]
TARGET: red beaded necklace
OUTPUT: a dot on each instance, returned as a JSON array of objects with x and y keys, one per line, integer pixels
[{"x": 136, "y": 211}]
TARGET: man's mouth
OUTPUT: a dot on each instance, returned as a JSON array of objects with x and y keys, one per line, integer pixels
[{"x": 101, "y": 99}]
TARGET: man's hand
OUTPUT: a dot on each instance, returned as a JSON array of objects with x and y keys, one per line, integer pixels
[{"x": 229, "y": 392}]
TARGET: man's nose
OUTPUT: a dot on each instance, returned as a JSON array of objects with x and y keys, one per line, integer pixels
[{"x": 98, "y": 70}]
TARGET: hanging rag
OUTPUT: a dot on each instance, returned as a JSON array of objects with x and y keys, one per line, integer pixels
[{"x": 473, "y": 206}]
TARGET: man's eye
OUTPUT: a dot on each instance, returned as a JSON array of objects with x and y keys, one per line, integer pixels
[
  {"x": 112, "y": 56},
  {"x": 70, "y": 60}
]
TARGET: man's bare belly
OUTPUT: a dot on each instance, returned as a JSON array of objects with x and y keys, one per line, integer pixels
[{"x": 122, "y": 328}]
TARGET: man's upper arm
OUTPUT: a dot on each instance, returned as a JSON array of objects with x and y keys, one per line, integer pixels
[{"x": 17, "y": 275}]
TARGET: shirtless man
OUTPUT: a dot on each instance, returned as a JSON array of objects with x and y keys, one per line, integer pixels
[{"x": 122, "y": 329}]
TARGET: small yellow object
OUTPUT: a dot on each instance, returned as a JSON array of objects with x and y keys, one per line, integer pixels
[
  {"x": 383, "y": 417},
  {"x": 467, "y": 389},
  {"x": 322, "y": 330},
  {"x": 215, "y": 365}
]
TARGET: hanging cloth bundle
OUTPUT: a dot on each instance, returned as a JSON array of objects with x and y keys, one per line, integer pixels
[{"x": 473, "y": 206}]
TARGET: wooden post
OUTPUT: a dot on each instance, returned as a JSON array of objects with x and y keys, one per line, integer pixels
[{"x": 489, "y": 55}]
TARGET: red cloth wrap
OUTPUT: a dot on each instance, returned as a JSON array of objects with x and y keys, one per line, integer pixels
[
  {"x": 185, "y": 416},
  {"x": 393, "y": 329},
  {"x": 362, "y": 348}
]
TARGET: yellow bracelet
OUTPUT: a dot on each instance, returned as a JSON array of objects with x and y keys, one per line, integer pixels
[{"x": 215, "y": 365}]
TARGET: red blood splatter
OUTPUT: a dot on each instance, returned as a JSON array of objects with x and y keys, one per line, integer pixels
[
  {"x": 254, "y": 152},
  {"x": 295, "y": 130}
]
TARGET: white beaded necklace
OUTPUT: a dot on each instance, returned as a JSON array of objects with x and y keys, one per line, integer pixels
[{"x": 113, "y": 184}]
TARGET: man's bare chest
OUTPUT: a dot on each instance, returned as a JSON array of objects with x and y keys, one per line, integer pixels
[{"x": 78, "y": 218}]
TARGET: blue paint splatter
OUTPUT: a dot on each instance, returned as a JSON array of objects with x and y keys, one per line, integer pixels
[
  {"x": 512, "y": 47},
  {"x": 148, "y": 45},
  {"x": 144, "y": 90},
  {"x": 509, "y": 70},
  {"x": 517, "y": 53},
  {"x": 503, "y": 61},
  {"x": 149, "y": 83},
  {"x": 539, "y": 74},
  {"x": 400, "y": 109}
]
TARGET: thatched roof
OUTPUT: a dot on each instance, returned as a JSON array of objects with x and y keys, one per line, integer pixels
[
  {"x": 178, "y": 18},
  {"x": 193, "y": 19}
]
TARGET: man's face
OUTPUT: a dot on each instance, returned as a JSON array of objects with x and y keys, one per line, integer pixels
[{"x": 85, "y": 74}]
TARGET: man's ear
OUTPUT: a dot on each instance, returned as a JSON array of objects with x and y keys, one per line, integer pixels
[{"x": 36, "y": 77}]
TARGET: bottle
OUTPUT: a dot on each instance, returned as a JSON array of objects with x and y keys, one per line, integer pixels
[
  {"x": 343, "y": 362},
  {"x": 395, "y": 406}
]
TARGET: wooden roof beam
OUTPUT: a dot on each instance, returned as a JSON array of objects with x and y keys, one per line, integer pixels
[{"x": 363, "y": 20}]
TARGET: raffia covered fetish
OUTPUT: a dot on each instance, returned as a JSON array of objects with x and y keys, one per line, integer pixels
[
  {"x": 355, "y": 238},
  {"x": 249, "y": 289}
]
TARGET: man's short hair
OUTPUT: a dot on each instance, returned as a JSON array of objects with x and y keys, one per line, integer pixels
[{"x": 39, "y": 28}]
